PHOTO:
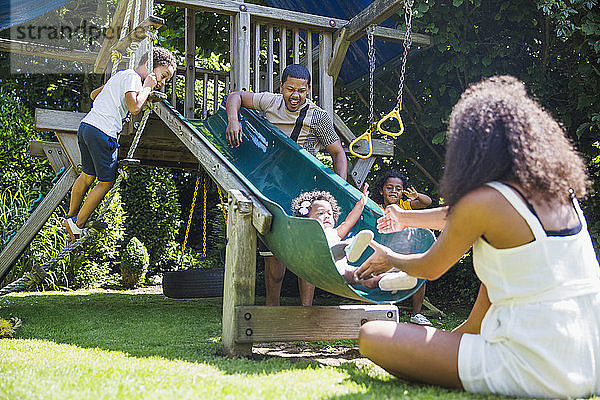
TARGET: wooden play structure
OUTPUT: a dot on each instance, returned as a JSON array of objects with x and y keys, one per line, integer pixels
[{"x": 282, "y": 37}]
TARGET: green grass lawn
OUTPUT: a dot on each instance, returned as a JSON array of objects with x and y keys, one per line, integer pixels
[{"x": 142, "y": 345}]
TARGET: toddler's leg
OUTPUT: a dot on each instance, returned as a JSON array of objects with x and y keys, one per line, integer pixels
[
  {"x": 370, "y": 283},
  {"x": 397, "y": 281},
  {"x": 358, "y": 245}
]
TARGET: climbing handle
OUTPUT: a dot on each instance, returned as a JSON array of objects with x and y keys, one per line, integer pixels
[
  {"x": 393, "y": 115},
  {"x": 365, "y": 136}
]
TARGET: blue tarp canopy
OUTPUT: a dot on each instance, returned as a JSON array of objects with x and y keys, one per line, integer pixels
[
  {"x": 15, "y": 12},
  {"x": 356, "y": 63}
]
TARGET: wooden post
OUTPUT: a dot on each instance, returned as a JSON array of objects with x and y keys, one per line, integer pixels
[
  {"x": 174, "y": 89},
  {"x": 205, "y": 95},
  {"x": 309, "y": 60},
  {"x": 270, "y": 76},
  {"x": 216, "y": 93},
  {"x": 339, "y": 52},
  {"x": 256, "y": 85},
  {"x": 190, "y": 63},
  {"x": 240, "y": 270},
  {"x": 282, "y": 49},
  {"x": 325, "y": 80},
  {"x": 296, "y": 46},
  {"x": 240, "y": 50}
]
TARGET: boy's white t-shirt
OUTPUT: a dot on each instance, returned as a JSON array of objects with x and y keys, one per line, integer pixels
[{"x": 109, "y": 107}]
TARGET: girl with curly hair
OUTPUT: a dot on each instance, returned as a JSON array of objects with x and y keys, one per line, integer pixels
[
  {"x": 511, "y": 184},
  {"x": 323, "y": 207}
]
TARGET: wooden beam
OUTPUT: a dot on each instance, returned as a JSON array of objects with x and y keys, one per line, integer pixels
[
  {"x": 240, "y": 271},
  {"x": 293, "y": 323},
  {"x": 374, "y": 14},
  {"x": 138, "y": 33},
  {"x": 397, "y": 36},
  {"x": 111, "y": 37},
  {"x": 360, "y": 170},
  {"x": 189, "y": 99},
  {"x": 57, "y": 121},
  {"x": 36, "y": 221},
  {"x": 290, "y": 18},
  {"x": 218, "y": 171},
  {"x": 69, "y": 143},
  {"x": 240, "y": 48},
  {"x": 201, "y": 71},
  {"x": 339, "y": 53},
  {"x": 380, "y": 147},
  {"x": 325, "y": 80},
  {"x": 42, "y": 50},
  {"x": 53, "y": 151}
]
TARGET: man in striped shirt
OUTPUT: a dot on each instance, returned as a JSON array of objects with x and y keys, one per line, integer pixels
[{"x": 305, "y": 123}]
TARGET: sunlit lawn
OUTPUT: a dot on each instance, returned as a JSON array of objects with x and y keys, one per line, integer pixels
[{"x": 140, "y": 345}]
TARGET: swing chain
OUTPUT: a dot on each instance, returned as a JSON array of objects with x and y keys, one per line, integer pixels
[
  {"x": 222, "y": 204},
  {"x": 204, "y": 218},
  {"x": 370, "y": 36},
  {"x": 407, "y": 43},
  {"x": 187, "y": 229}
]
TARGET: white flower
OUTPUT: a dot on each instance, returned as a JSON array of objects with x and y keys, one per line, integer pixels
[
  {"x": 305, "y": 204},
  {"x": 303, "y": 210}
]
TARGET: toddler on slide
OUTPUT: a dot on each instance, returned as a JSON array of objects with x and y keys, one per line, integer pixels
[{"x": 323, "y": 207}]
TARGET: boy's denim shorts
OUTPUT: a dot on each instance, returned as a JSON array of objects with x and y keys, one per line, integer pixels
[{"x": 98, "y": 153}]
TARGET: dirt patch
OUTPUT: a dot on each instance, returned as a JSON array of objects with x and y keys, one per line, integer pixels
[{"x": 330, "y": 356}]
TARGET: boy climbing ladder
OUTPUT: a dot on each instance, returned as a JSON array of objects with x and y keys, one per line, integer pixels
[{"x": 126, "y": 91}]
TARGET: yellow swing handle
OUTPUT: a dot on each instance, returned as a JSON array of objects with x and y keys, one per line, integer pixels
[
  {"x": 394, "y": 114},
  {"x": 365, "y": 136}
]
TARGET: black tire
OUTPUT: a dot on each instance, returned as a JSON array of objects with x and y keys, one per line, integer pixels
[{"x": 194, "y": 283}]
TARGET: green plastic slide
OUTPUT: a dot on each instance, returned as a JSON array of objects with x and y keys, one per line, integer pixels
[{"x": 276, "y": 170}]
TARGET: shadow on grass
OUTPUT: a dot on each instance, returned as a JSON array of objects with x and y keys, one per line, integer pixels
[
  {"x": 150, "y": 325},
  {"x": 141, "y": 325}
]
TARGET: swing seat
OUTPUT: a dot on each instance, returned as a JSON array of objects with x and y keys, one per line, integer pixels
[{"x": 276, "y": 170}]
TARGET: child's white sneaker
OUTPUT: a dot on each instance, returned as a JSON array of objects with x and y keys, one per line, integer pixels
[
  {"x": 359, "y": 244},
  {"x": 400, "y": 280},
  {"x": 420, "y": 319},
  {"x": 72, "y": 229}
]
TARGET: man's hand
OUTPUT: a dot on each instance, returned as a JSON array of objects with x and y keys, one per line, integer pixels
[
  {"x": 234, "y": 133},
  {"x": 392, "y": 221}
]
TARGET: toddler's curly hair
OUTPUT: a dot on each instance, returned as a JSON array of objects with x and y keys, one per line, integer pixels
[{"x": 311, "y": 197}]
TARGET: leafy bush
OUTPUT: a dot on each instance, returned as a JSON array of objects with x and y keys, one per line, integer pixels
[
  {"x": 151, "y": 203},
  {"x": 92, "y": 265},
  {"x": 134, "y": 263},
  {"x": 19, "y": 169}
]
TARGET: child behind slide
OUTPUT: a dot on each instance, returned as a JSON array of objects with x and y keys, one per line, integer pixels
[{"x": 322, "y": 206}]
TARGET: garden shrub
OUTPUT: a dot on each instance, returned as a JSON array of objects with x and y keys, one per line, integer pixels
[
  {"x": 134, "y": 263},
  {"x": 151, "y": 203},
  {"x": 92, "y": 265}
]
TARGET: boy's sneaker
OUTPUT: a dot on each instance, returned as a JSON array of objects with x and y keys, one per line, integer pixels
[
  {"x": 400, "y": 280},
  {"x": 359, "y": 244},
  {"x": 420, "y": 319},
  {"x": 73, "y": 230}
]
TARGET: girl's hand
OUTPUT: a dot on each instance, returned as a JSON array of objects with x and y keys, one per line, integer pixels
[
  {"x": 392, "y": 220},
  {"x": 365, "y": 195},
  {"x": 378, "y": 263},
  {"x": 411, "y": 193}
]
